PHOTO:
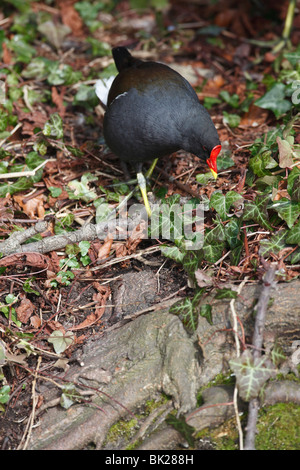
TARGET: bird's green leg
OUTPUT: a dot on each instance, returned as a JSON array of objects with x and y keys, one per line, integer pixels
[
  {"x": 143, "y": 188},
  {"x": 151, "y": 169},
  {"x": 142, "y": 184}
]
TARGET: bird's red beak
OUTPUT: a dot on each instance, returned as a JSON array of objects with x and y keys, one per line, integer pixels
[{"x": 212, "y": 160}]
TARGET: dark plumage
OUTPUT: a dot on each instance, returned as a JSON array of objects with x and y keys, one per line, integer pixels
[{"x": 153, "y": 111}]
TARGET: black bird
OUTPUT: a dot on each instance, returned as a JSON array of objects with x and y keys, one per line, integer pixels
[{"x": 152, "y": 111}]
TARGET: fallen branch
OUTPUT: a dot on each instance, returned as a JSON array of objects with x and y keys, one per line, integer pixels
[{"x": 14, "y": 244}]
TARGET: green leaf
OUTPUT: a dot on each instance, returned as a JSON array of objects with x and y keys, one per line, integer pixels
[
  {"x": 205, "y": 311},
  {"x": 261, "y": 163},
  {"x": 225, "y": 161},
  {"x": 288, "y": 210},
  {"x": 54, "y": 191},
  {"x": 275, "y": 101},
  {"x": 273, "y": 245},
  {"x": 251, "y": 374},
  {"x": 81, "y": 189},
  {"x": 27, "y": 287},
  {"x": 19, "y": 45},
  {"x": 54, "y": 127},
  {"x": 60, "y": 340},
  {"x": 293, "y": 57},
  {"x": 204, "y": 178},
  {"x": 209, "y": 102},
  {"x": 84, "y": 247},
  {"x": 232, "y": 232},
  {"x": 188, "y": 314},
  {"x": 232, "y": 120},
  {"x": 86, "y": 96},
  {"x": 182, "y": 427},
  {"x": 257, "y": 211},
  {"x": 293, "y": 184},
  {"x": 232, "y": 100},
  {"x": 222, "y": 203},
  {"x": 173, "y": 252},
  {"x": 191, "y": 261},
  {"x": 293, "y": 235},
  {"x": 235, "y": 254},
  {"x": 4, "y": 394},
  {"x": 37, "y": 69},
  {"x": 225, "y": 294},
  {"x": 63, "y": 74},
  {"x": 213, "y": 252},
  {"x": 216, "y": 234},
  {"x": 277, "y": 355}
]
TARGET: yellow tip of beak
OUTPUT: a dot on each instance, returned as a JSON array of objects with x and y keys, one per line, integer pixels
[{"x": 215, "y": 175}]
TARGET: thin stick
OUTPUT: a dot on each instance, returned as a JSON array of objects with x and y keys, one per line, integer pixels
[
  {"x": 30, "y": 422},
  {"x": 238, "y": 352}
]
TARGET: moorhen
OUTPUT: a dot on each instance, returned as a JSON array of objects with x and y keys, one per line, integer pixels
[{"x": 152, "y": 111}]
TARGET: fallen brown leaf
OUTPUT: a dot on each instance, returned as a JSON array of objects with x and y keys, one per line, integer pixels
[
  {"x": 25, "y": 310},
  {"x": 34, "y": 207},
  {"x": 25, "y": 259},
  {"x": 105, "y": 248},
  {"x": 71, "y": 17}
]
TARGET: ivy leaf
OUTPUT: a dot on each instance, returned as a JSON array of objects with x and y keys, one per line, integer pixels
[
  {"x": 236, "y": 252},
  {"x": 293, "y": 175},
  {"x": 232, "y": 100},
  {"x": 275, "y": 101},
  {"x": 287, "y": 210},
  {"x": 232, "y": 120},
  {"x": 261, "y": 163},
  {"x": 172, "y": 252},
  {"x": 191, "y": 261},
  {"x": 182, "y": 427},
  {"x": 274, "y": 244},
  {"x": 277, "y": 355},
  {"x": 232, "y": 232},
  {"x": 205, "y": 311},
  {"x": 69, "y": 396},
  {"x": 225, "y": 294},
  {"x": 293, "y": 235},
  {"x": 222, "y": 203},
  {"x": 187, "y": 313},
  {"x": 81, "y": 189},
  {"x": 251, "y": 374},
  {"x": 54, "y": 127},
  {"x": 213, "y": 252},
  {"x": 257, "y": 211},
  {"x": 60, "y": 340}
]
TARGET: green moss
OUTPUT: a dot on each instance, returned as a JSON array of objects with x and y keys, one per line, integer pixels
[
  {"x": 279, "y": 427},
  {"x": 121, "y": 428},
  {"x": 126, "y": 428}
]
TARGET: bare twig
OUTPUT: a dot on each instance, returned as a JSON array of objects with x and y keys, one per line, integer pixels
[
  {"x": 237, "y": 345},
  {"x": 32, "y": 415},
  {"x": 257, "y": 343}
]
